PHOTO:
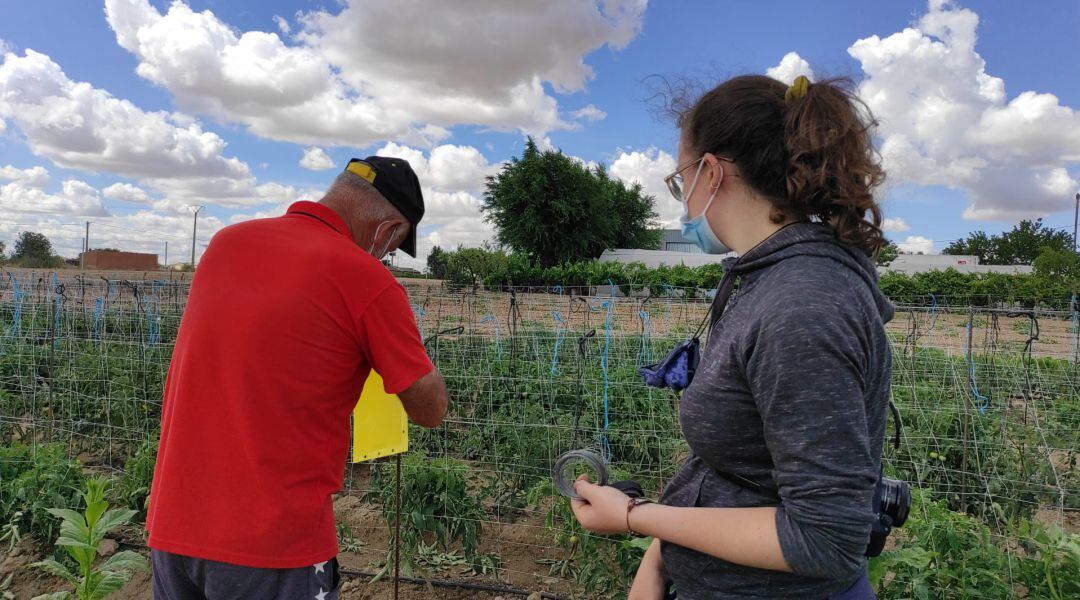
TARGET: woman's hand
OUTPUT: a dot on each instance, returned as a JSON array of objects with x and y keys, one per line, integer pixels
[
  {"x": 651, "y": 579},
  {"x": 601, "y": 509}
]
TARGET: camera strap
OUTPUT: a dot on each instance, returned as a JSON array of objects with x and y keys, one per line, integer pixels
[{"x": 719, "y": 303}]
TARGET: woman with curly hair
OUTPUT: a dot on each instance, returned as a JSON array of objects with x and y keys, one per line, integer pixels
[{"x": 785, "y": 417}]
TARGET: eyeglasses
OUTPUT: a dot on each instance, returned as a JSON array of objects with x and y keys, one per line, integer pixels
[{"x": 675, "y": 180}]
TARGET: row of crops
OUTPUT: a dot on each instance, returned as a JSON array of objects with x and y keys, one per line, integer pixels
[{"x": 989, "y": 400}]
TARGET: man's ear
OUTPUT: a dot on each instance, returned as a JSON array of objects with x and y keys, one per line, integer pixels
[{"x": 402, "y": 231}]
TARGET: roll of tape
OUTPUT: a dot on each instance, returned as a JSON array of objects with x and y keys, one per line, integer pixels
[{"x": 564, "y": 473}]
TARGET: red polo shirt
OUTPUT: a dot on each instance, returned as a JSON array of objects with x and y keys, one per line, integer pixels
[{"x": 285, "y": 319}]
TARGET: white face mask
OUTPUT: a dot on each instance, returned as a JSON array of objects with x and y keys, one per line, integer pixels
[{"x": 386, "y": 246}]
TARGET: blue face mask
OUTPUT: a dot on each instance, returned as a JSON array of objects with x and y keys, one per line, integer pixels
[{"x": 698, "y": 230}]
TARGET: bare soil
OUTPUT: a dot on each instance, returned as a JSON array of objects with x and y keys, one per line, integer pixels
[
  {"x": 519, "y": 544},
  {"x": 1068, "y": 520}
]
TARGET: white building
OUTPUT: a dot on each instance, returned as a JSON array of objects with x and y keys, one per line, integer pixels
[
  {"x": 910, "y": 264},
  {"x": 655, "y": 258},
  {"x": 675, "y": 250}
]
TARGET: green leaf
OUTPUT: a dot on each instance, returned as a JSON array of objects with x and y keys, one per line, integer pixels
[
  {"x": 82, "y": 553},
  {"x": 69, "y": 516},
  {"x": 113, "y": 519},
  {"x": 55, "y": 568},
  {"x": 124, "y": 561},
  {"x": 75, "y": 531},
  {"x": 109, "y": 583},
  {"x": 66, "y": 542},
  {"x": 94, "y": 510},
  {"x": 54, "y": 596}
]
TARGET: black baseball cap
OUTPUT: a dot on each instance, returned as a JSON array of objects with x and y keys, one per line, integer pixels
[{"x": 396, "y": 181}]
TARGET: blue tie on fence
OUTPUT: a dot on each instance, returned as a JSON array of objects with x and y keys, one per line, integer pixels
[
  {"x": 58, "y": 309},
  {"x": 99, "y": 312},
  {"x": 984, "y": 401},
  {"x": 418, "y": 313},
  {"x": 490, "y": 318},
  {"x": 560, "y": 331},
  {"x": 153, "y": 314},
  {"x": 646, "y": 328},
  {"x": 17, "y": 297}
]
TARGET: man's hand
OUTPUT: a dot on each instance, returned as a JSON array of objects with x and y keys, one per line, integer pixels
[{"x": 425, "y": 401}]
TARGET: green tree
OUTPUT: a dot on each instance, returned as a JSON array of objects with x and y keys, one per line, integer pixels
[
  {"x": 1061, "y": 265},
  {"x": 3, "y": 253},
  {"x": 436, "y": 262},
  {"x": 556, "y": 210},
  {"x": 887, "y": 254},
  {"x": 468, "y": 266},
  {"x": 34, "y": 250},
  {"x": 1019, "y": 246}
]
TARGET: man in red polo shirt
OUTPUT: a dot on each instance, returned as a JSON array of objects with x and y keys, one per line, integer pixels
[{"x": 286, "y": 318}]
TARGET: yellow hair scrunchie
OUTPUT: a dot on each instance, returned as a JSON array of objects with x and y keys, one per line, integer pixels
[{"x": 798, "y": 89}]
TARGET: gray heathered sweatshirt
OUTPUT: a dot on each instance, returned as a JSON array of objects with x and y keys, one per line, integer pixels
[{"x": 792, "y": 393}]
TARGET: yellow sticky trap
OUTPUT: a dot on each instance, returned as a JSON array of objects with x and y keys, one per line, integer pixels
[{"x": 380, "y": 426}]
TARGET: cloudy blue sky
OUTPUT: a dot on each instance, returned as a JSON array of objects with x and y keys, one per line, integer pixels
[{"x": 125, "y": 112}]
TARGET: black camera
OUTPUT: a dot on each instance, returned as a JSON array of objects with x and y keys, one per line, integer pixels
[{"x": 892, "y": 502}]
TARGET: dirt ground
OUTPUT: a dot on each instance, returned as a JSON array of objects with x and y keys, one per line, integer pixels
[
  {"x": 945, "y": 331},
  {"x": 27, "y": 584},
  {"x": 519, "y": 545}
]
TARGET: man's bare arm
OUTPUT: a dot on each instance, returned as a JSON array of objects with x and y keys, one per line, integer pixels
[{"x": 425, "y": 401}]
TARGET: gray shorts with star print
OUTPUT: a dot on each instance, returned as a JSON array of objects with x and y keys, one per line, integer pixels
[{"x": 179, "y": 577}]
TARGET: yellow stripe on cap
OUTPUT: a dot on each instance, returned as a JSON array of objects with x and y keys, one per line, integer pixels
[{"x": 362, "y": 170}]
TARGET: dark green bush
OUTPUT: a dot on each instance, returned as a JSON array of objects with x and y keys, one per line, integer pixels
[
  {"x": 497, "y": 269},
  {"x": 34, "y": 479}
]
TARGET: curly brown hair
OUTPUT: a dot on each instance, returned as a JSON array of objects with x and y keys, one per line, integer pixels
[{"x": 811, "y": 156}]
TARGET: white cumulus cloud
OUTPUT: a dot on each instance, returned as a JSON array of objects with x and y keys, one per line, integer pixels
[
  {"x": 142, "y": 231},
  {"x": 126, "y": 192},
  {"x": 75, "y": 198},
  {"x": 352, "y": 78},
  {"x": 790, "y": 67},
  {"x": 446, "y": 168},
  {"x": 895, "y": 225},
  {"x": 946, "y": 121},
  {"x": 649, "y": 168},
  {"x": 316, "y": 159},
  {"x": 282, "y": 25},
  {"x": 82, "y": 127},
  {"x": 34, "y": 177},
  {"x": 916, "y": 244},
  {"x": 589, "y": 113}
]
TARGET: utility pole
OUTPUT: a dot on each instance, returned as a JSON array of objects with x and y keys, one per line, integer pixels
[
  {"x": 194, "y": 228},
  {"x": 86, "y": 247},
  {"x": 166, "y": 263},
  {"x": 1076, "y": 218}
]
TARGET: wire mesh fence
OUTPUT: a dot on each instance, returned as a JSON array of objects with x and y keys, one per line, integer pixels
[{"x": 989, "y": 399}]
